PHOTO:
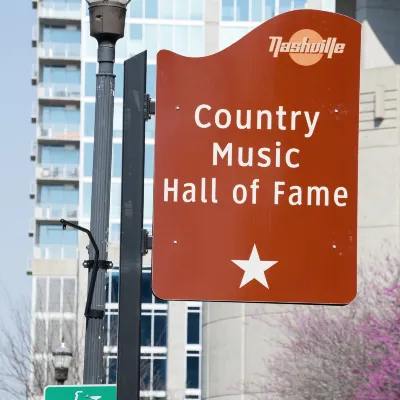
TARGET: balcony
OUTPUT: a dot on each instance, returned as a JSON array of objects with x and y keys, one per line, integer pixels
[
  {"x": 32, "y": 190},
  {"x": 54, "y": 212},
  {"x": 61, "y": 252},
  {"x": 59, "y": 10},
  {"x": 34, "y": 77},
  {"x": 34, "y": 113},
  {"x": 58, "y": 132},
  {"x": 60, "y": 51},
  {"x": 59, "y": 91},
  {"x": 34, "y": 36},
  {"x": 57, "y": 172},
  {"x": 33, "y": 151},
  {"x": 32, "y": 227}
]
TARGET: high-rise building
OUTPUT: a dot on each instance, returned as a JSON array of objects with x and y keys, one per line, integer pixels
[{"x": 64, "y": 73}]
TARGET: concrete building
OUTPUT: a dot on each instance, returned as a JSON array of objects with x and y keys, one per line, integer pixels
[{"x": 235, "y": 342}]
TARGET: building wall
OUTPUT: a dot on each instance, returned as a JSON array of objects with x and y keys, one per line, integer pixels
[{"x": 236, "y": 341}]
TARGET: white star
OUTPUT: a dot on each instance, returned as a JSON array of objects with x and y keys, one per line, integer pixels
[{"x": 254, "y": 268}]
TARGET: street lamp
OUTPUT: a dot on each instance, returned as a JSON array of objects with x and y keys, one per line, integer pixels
[
  {"x": 62, "y": 360},
  {"x": 107, "y": 19},
  {"x": 107, "y": 24}
]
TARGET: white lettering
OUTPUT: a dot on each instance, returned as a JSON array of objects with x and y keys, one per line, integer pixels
[
  {"x": 174, "y": 189},
  {"x": 311, "y": 124},
  {"x": 278, "y": 192},
  {"x": 197, "y": 116},
  {"x": 337, "y": 196},
  {"x": 254, "y": 186},
  {"x": 235, "y": 194},
  {"x": 222, "y": 153},
  {"x": 218, "y": 118}
]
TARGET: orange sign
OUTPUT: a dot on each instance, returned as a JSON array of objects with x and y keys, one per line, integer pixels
[{"x": 256, "y": 161}]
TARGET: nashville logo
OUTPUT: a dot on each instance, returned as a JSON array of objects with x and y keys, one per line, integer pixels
[{"x": 306, "y": 47}]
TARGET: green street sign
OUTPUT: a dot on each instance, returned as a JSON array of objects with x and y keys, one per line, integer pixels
[{"x": 87, "y": 392}]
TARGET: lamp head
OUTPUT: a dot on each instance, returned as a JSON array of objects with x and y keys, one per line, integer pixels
[
  {"x": 122, "y": 2},
  {"x": 107, "y": 19},
  {"x": 62, "y": 357}
]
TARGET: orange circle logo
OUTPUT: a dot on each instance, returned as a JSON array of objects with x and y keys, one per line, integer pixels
[
  {"x": 306, "y": 47},
  {"x": 315, "y": 43}
]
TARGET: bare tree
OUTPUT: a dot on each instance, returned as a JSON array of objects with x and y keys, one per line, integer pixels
[
  {"x": 322, "y": 355},
  {"x": 26, "y": 365}
]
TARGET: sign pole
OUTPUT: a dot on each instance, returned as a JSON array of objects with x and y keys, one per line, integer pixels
[{"x": 130, "y": 276}]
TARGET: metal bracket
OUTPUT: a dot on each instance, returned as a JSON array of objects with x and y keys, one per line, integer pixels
[
  {"x": 95, "y": 264},
  {"x": 149, "y": 107},
  {"x": 147, "y": 242},
  {"x": 102, "y": 264}
]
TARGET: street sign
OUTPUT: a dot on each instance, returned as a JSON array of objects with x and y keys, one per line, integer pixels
[
  {"x": 87, "y": 392},
  {"x": 256, "y": 164}
]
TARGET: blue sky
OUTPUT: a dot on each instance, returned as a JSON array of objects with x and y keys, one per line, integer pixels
[{"x": 17, "y": 133}]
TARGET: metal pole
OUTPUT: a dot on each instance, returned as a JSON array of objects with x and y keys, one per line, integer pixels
[
  {"x": 107, "y": 23},
  {"x": 100, "y": 207},
  {"x": 131, "y": 244}
]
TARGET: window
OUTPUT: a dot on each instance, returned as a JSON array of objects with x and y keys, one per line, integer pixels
[
  {"x": 117, "y": 160},
  {"x": 256, "y": 11},
  {"x": 151, "y": 80},
  {"x": 58, "y": 194},
  {"x": 166, "y": 37},
  {"x": 196, "y": 10},
  {"x": 148, "y": 201},
  {"x": 196, "y": 42},
  {"x": 112, "y": 370},
  {"x": 90, "y": 79},
  {"x": 299, "y": 4},
  {"x": 269, "y": 9},
  {"x": 61, "y": 34},
  {"x": 88, "y": 159},
  {"x": 192, "y": 370},
  {"x": 119, "y": 80},
  {"x": 159, "y": 373},
  {"x": 118, "y": 120},
  {"x": 242, "y": 10},
  {"x": 147, "y": 295},
  {"x": 166, "y": 9},
  {"x": 149, "y": 161},
  {"x": 136, "y": 8},
  {"x": 151, "y": 8},
  {"x": 181, "y": 40},
  {"x": 136, "y": 32},
  {"x": 227, "y": 10},
  {"x": 182, "y": 9},
  {"x": 60, "y": 115},
  {"x": 284, "y": 5},
  {"x": 115, "y": 233},
  {"x": 55, "y": 295},
  {"x": 229, "y": 35},
  {"x": 151, "y": 40},
  {"x": 55, "y": 235},
  {"x": 89, "y": 119},
  {"x": 61, "y": 74},
  {"x": 115, "y": 201},
  {"x": 59, "y": 154},
  {"x": 145, "y": 330},
  {"x": 87, "y": 198},
  {"x": 193, "y": 327},
  {"x": 160, "y": 330},
  {"x": 150, "y": 126}
]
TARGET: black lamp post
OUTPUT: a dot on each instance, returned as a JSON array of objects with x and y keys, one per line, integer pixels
[
  {"x": 107, "y": 24},
  {"x": 62, "y": 360}
]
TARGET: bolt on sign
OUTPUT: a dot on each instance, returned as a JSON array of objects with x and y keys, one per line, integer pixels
[{"x": 256, "y": 164}]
